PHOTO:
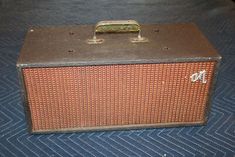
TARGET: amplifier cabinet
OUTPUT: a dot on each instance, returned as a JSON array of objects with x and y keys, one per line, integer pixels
[{"x": 72, "y": 81}]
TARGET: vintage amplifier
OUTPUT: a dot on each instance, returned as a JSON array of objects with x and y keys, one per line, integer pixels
[{"x": 116, "y": 75}]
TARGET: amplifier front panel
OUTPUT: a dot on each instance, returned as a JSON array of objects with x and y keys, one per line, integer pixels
[{"x": 63, "y": 98}]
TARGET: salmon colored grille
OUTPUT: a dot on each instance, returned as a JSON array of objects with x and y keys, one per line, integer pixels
[{"x": 94, "y": 96}]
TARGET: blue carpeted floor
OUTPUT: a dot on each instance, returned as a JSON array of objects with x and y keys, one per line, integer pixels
[{"x": 216, "y": 18}]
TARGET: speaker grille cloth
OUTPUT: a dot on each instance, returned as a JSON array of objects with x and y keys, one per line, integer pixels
[{"x": 95, "y": 96}]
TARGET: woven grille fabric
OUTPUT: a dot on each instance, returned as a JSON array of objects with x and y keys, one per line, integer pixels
[{"x": 112, "y": 95}]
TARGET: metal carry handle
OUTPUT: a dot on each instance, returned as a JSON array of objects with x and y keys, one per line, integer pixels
[{"x": 119, "y": 26}]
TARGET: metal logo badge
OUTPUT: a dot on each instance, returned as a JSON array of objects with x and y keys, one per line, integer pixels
[{"x": 201, "y": 76}]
